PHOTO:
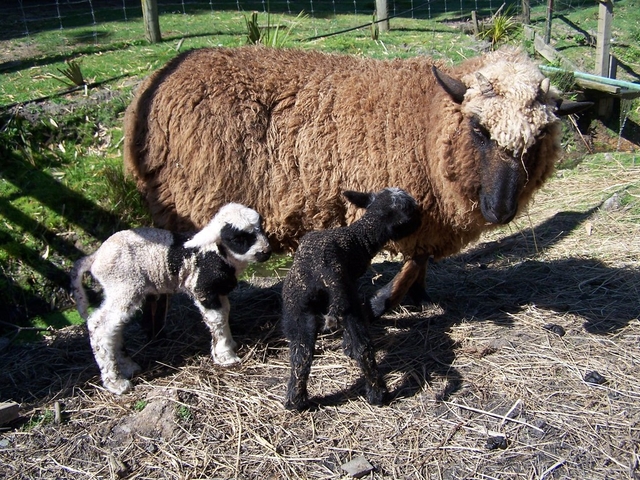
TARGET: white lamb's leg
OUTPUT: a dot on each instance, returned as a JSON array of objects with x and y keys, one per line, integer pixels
[
  {"x": 105, "y": 333},
  {"x": 222, "y": 344}
]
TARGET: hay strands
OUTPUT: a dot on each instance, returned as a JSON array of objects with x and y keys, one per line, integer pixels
[{"x": 504, "y": 418}]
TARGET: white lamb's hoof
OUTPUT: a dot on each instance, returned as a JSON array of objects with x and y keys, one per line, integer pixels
[
  {"x": 120, "y": 386},
  {"x": 128, "y": 367},
  {"x": 226, "y": 359}
]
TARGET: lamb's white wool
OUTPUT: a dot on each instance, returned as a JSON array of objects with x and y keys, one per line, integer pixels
[
  {"x": 234, "y": 214},
  {"x": 135, "y": 263}
]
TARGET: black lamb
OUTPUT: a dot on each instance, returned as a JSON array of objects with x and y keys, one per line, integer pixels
[{"x": 322, "y": 286}]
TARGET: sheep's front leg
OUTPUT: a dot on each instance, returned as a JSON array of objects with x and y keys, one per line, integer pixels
[
  {"x": 410, "y": 279},
  {"x": 362, "y": 350},
  {"x": 154, "y": 315},
  {"x": 105, "y": 334},
  {"x": 216, "y": 315},
  {"x": 301, "y": 333}
]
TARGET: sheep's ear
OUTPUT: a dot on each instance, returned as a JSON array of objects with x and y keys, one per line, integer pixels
[
  {"x": 568, "y": 107},
  {"x": 359, "y": 199},
  {"x": 454, "y": 87},
  {"x": 209, "y": 235}
]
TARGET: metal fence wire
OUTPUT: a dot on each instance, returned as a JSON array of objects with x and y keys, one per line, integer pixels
[{"x": 25, "y": 17}]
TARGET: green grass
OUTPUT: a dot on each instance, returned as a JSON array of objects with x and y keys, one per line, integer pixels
[
  {"x": 119, "y": 52},
  {"x": 61, "y": 185}
]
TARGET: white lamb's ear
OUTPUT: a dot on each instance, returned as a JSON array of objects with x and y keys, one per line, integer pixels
[{"x": 208, "y": 236}]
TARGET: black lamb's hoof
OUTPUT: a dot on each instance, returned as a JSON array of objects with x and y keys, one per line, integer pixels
[
  {"x": 298, "y": 403},
  {"x": 377, "y": 396}
]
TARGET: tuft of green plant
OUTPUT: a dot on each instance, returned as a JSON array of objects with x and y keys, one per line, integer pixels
[
  {"x": 39, "y": 419},
  {"x": 375, "y": 30},
  {"x": 254, "y": 35},
  {"x": 73, "y": 76},
  {"x": 140, "y": 405},
  {"x": 271, "y": 35},
  {"x": 500, "y": 28},
  {"x": 184, "y": 413}
]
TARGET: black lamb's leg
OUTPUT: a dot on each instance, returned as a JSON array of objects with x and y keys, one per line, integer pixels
[
  {"x": 154, "y": 315},
  {"x": 302, "y": 333},
  {"x": 362, "y": 350}
]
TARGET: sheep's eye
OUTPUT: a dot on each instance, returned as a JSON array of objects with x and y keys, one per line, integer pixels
[
  {"x": 238, "y": 241},
  {"x": 480, "y": 134}
]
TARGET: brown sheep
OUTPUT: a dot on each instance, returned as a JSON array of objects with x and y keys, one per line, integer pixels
[{"x": 287, "y": 131}]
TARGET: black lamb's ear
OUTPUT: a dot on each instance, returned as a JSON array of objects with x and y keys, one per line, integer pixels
[
  {"x": 454, "y": 87},
  {"x": 359, "y": 199},
  {"x": 568, "y": 107}
]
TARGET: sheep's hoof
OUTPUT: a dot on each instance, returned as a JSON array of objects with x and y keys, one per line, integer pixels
[
  {"x": 380, "y": 302},
  {"x": 377, "y": 396},
  {"x": 298, "y": 403},
  {"x": 119, "y": 386},
  {"x": 128, "y": 367},
  {"x": 226, "y": 359},
  {"x": 418, "y": 297}
]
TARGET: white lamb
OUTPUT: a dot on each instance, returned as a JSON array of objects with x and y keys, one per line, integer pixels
[{"x": 132, "y": 264}]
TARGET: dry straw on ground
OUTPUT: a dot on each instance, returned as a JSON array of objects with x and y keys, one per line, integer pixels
[{"x": 484, "y": 385}]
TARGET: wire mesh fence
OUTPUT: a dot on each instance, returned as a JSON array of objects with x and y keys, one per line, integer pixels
[{"x": 25, "y": 17}]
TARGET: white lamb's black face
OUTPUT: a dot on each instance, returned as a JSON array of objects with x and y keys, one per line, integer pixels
[{"x": 247, "y": 245}]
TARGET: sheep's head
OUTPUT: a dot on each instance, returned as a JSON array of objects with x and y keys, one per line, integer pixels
[
  {"x": 509, "y": 106},
  {"x": 236, "y": 233},
  {"x": 396, "y": 212}
]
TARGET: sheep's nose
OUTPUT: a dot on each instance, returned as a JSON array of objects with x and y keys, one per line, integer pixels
[{"x": 264, "y": 255}]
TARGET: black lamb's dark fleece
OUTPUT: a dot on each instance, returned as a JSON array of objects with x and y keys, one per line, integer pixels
[{"x": 322, "y": 282}]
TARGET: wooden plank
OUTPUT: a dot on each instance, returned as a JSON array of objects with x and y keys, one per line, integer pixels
[
  {"x": 550, "y": 53},
  {"x": 8, "y": 412},
  {"x": 600, "y": 87}
]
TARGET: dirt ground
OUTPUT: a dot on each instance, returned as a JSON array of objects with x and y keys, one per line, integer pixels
[{"x": 524, "y": 366}]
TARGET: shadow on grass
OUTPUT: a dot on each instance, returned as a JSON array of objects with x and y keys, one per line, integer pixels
[{"x": 31, "y": 184}]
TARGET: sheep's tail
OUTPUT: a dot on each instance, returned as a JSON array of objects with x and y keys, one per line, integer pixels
[{"x": 77, "y": 289}]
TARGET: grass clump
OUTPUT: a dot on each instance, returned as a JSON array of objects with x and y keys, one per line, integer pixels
[
  {"x": 272, "y": 35},
  {"x": 500, "y": 28}
]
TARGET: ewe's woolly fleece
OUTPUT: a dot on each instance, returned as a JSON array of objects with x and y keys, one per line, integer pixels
[{"x": 287, "y": 131}]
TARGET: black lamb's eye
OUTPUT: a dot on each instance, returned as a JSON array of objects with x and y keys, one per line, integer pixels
[{"x": 236, "y": 240}]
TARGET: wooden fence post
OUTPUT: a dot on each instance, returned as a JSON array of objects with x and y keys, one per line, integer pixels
[
  {"x": 526, "y": 12},
  {"x": 151, "y": 20},
  {"x": 604, "y": 106},
  {"x": 547, "y": 31},
  {"x": 382, "y": 12},
  {"x": 605, "y": 15}
]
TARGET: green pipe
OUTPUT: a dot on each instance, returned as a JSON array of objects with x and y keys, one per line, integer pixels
[{"x": 595, "y": 78}]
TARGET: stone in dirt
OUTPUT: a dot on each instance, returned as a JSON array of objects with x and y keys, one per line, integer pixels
[
  {"x": 594, "y": 377},
  {"x": 357, "y": 467},
  {"x": 156, "y": 420},
  {"x": 8, "y": 412},
  {"x": 557, "y": 329}
]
